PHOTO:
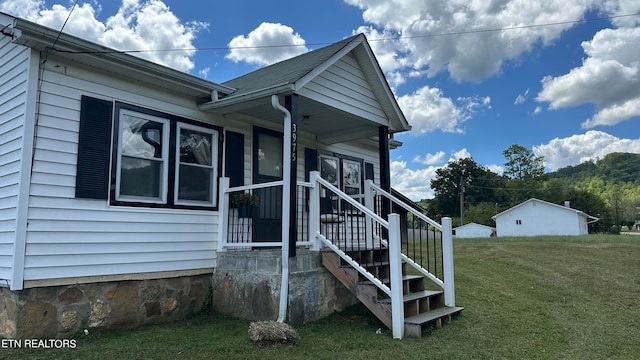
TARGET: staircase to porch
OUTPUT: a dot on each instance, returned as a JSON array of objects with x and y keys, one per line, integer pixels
[
  {"x": 403, "y": 276},
  {"x": 421, "y": 306},
  {"x": 394, "y": 259}
]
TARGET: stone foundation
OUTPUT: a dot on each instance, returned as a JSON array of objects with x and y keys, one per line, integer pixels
[
  {"x": 60, "y": 311},
  {"x": 246, "y": 284}
]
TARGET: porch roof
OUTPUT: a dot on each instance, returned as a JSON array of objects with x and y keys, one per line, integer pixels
[{"x": 328, "y": 106}]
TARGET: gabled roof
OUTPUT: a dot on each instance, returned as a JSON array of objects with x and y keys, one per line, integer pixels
[
  {"x": 288, "y": 72},
  {"x": 474, "y": 225},
  {"x": 292, "y": 75},
  {"x": 566, "y": 208}
]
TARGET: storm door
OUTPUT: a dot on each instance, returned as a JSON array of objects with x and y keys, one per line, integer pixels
[{"x": 267, "y": 166}]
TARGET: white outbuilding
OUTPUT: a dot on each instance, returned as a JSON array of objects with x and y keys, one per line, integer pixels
[
  {"x": 536, "y": 217},
  {"x": 474, "y": 230}
]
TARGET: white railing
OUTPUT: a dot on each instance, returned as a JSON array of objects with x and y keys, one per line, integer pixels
[
  {"x": 394, "y": 291},
  {"x": 236, "y": 233},
  {"x": 374, "y": 225},
  {"x": 447, "y": 281}
]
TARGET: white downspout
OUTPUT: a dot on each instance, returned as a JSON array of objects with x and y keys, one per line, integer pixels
[{"x": 286, "y": 196}]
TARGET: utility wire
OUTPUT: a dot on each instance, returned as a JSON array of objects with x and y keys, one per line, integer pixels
[
  {"x": 400, "y": 37},
  {"x": 43, "y": 62}
]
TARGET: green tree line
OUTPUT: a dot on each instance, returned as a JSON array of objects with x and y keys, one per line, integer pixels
[{"x": 607, "y": 188}]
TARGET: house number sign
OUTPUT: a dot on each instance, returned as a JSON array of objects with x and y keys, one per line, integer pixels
[{"x": 294, "y": 142}]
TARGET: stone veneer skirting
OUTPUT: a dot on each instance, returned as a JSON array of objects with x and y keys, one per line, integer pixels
[
  {"x": 246, "y": 284},
  {"x": 60, "y": 311}
]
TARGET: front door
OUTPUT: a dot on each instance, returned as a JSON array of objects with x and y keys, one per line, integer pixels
[{"x": 268, "y": 166}]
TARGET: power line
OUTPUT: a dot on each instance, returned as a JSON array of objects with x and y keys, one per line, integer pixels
[{"x": 400, "y": 37}]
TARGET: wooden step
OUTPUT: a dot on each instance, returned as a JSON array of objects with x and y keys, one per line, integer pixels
[
  {"x": 413, "y": 324},
  {"x": 415, "y": 296}
]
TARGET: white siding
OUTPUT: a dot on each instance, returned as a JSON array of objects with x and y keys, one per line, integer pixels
[
  {"x": 344, "y": 86},
  {"x": 535, "y": 218},
  {"x": 474, "y": 230},
  {"x": 68, "y": 237},
  {"x": 14, "y": 65}
]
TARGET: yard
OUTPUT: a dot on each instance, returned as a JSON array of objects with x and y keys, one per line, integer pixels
[{"x": 524, "y": 298}]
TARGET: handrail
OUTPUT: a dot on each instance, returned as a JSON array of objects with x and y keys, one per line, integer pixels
[
  {"x": 355, "y": 265},
  {"x": 254, "y": 186},
  {"x": 405, "y": 206},
  {"x": 352, "y": 202}
]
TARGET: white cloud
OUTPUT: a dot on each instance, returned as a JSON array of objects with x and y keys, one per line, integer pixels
[
  {"x": 138, "y": 25},
  {"x": 612, "y": 63},
  {"x": 522, "y": 98},
  {"x": 427, "y": 110},
  {"x": 430, "y": 159},
  {"x": 476, "y": 53},
  {"x": 267, "y": 44},
  {"x": 415, "y": 184},
  {"x": 460, "y": 154},
  {"x": 577, "y": 149},
  {"x": 496, "y": 169}
]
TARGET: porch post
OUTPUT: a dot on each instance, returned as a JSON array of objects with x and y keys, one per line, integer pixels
[
  {"x": 395, "y": 277},
  {"x": 447, "y": 263},
  {"x": 223, "y": 213},
  {"x": 385, "y": 172},
  {"x": 291, "y": 104}
]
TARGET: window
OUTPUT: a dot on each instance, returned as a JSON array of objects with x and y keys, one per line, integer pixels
[
  {"x": 195, "y": 165},
  {"x": 163, "y": 161},
  {"x": 329, "y": 169},
  {"x": 518, "y": 222},
  {"x": 352, "y": 177},
  {"x": 142, "y": 158}
]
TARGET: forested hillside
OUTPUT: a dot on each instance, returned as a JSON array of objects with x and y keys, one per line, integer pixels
[
  {"x": 615, "y": 167},
  {"x": 608, "y": 188}
]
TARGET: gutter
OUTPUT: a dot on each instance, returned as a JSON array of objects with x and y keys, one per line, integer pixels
[
  {"x": 231, "y": 100},
  {"x": 41, "y": 38},
  {"x": 286, "y": 211}
]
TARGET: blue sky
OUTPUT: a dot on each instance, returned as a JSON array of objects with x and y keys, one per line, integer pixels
[{"x": 560, "y": 77}]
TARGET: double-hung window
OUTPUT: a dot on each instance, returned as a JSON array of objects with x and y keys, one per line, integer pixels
[
  {"x": 143, "y": 158},
  {"x": 162, "y": 160},
  {"x": 195, "y": 165}
]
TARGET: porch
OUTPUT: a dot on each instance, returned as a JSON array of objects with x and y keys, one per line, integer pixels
[{"x": 400, "y": 265}]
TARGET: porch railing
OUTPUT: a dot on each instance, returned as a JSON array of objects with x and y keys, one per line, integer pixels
[
  {"x": 238, "y": 221},
  {"x": 426, "y": 245},
  {"x": 327, "y": 217}
]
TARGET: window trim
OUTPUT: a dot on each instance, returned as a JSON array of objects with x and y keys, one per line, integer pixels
[
  {"x": 164, "y": 179},
  {"x": 171, "y": 178},
  {"x": 341, "y": 158},
  {"x": 214, "y": 165}
]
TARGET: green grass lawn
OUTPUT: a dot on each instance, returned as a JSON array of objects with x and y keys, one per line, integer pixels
[{"x": 524, "y": 298}]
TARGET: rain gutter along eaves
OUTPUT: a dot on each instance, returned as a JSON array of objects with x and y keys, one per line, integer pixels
[{"x": 230, "y": 100}]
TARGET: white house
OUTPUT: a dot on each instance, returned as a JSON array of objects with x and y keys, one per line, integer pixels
[
  {"x": 537, "y": 217},
  {"x": 474, "y": 230},
  {"x": 110, "y": 169}
]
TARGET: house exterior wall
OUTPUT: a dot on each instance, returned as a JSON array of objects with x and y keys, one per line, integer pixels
[
  {"x": 344, "y": 86},
  {"x": 75, "y": 239},
  {"x": 535, "y": 218},
  {"x": 15, "y": 62},
  {"x": 474, "y": 230}
]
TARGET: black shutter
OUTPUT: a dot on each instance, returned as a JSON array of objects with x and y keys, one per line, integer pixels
[
  {"x": 94, "y": 145},
  {"x": 368, "y": 171},
  {"x": 310, "y": 162},
  {"x": 234, "y": 158}
]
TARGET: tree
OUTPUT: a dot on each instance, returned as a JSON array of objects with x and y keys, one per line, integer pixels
[
  {"x": 478, "y": 183},
  {"x": 522, "y": 164}
]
